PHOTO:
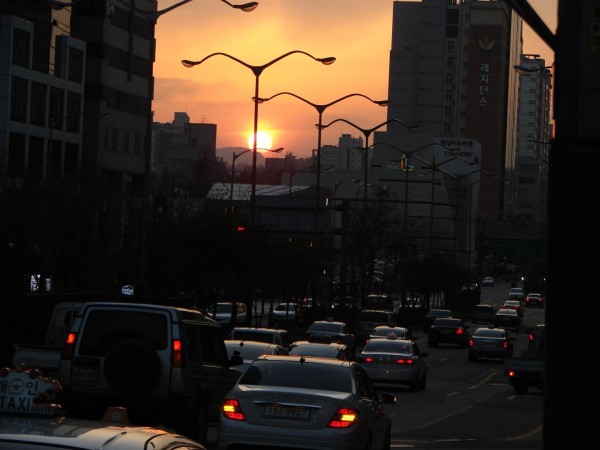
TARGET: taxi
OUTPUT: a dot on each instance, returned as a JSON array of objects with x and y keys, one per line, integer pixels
[{"x": 31, "y": 418}]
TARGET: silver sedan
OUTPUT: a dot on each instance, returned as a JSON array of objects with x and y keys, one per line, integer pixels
[
  {"x": 304, "y": 402},
  {"x": 394, "y": 360}
]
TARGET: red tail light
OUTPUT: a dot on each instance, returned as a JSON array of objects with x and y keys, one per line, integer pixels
[
  {"x": 405, "y": 361},
  {"x": 512, "y": 373},
  {"x": 343, "y": 418},
  {"x": 531, "y": 336},
  {"x": 69, "y": 348},
  {"x": 231, "y": 409},
  {"x": 459, "y": 331},
  {"x": 177, "y": 354},
  {"x": 505, "y": 344},
  {"x": 368, "y": 359},
  {"x": 471, "y": 342}
]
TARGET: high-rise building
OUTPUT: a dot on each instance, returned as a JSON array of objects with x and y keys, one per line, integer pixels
[
  {"x": 347, "y": 155},
  {"x": 535, "y": 132},
  {"x": 451, "y": 71}
]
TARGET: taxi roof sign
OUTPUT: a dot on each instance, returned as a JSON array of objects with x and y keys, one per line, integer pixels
[{"x": 26, "y": 391}]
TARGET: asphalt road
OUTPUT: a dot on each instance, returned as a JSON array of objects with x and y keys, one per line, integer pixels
[{"x": 467, "y": 404}]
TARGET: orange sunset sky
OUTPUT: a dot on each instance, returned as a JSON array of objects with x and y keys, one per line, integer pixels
[{"x": 220, "y": 90}]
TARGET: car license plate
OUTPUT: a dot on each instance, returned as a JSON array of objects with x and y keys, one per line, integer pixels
[
  {"x": 286, "y": 412},
  {"x": 85, "y": 374}
]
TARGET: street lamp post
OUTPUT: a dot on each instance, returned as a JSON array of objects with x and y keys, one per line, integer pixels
[
  {"x": 236, "y": 156},
  {"x": 257, "y": 71},
  {"x": 435, "y": 168},
  {"x": 367, "y": 132},
  {"x": 320, "y": 108}
]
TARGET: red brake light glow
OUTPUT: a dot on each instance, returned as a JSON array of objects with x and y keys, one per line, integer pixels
[
  {"x": 231, "y": 409},
  {"x": 368, "y": 359},
  {"x": 343, "y": 418},
  {"x": 459, "y": 331},
  {"x": 69, "y": 348},
  {"x": 177, "y": 356},
  {"x": 404, "y": 361},
  {"x": 471, "y": 342}
]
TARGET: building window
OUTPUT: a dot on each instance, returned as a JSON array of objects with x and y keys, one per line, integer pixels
[
  {"x": 449, "y": 78},
  {"x": 55, "y": 160},
  {"x": 450, "y": 63},
  {"x": 125, "y": 142},
  {"x": 448, "y": 96},
  {"x": 115, "y": 140},
  {"x": 21, "y": 42},
  {"x": 450, "y": 46},
  {"x": 447, "y": 128},
  {"x": 73, "y": 111},
  {"x": 37, "y": 109},
  {"x": 447, "y": 112},
  {"x": 75, "y": 65},
  {"x": 56, "y": 118},
  {"x": 16, "y": 154},
  {"x": 35, "y": 157},
  {"x": 18, "y": 101}
]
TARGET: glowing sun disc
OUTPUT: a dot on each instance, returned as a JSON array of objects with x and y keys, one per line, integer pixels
[{"x": 263, "y": 140}]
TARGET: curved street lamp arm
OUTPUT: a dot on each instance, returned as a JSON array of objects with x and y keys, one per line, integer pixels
[
  {"x": 246, "y": 7},
  {"x": 257, "y": 70},
  {"x": 369, "y": 130},
  {"x": 321, "y": 108}
]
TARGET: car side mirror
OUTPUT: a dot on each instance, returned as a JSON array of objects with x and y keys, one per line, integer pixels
[{"x": 236, "y": 360}]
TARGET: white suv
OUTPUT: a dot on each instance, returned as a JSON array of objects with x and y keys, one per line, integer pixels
[{"x": 167, "y": 365}]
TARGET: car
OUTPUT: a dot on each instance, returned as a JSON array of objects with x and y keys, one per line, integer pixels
[
  {"x": 433, "y": 314},
  {"x": 262, "y": 334},
  {"x": 536, "y": 337},
  {"x": 31, "y": 418},
  {"x": 487, "y": 282},
  {"x": 534, "y": 298},
  {"x": 483, "y": 313},
  {"x": 221, "y": 312},
  {"x": 507, "y": 318},
  {"x": 331, "y": 331},
  {"x": 490, "y": 342},
  {"x": 284, "y": 313},
  {"x": 516, "y": 293},
  {"x": 379, "y": 301},
  {"x": 368, "y": 319},
  {"x": 448, "y": 330},
  {"x": 514, "y": 304},
  {"x": 167, "y": 365},
  {"x": 304, "y": 402},
  {"x": 383, "y": 331},
  {"x": 394, "y": 360},
  {"x": 322, "y": 350},
  {"x": 250, "y": 350}
]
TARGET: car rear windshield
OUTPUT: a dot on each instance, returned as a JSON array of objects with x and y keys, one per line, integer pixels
[
  {"x": 103, "y": 329},
  {"x": 385, "y": 346},
  {"x": 446, "y": 323},
  {"x": 489, "y": 333},
  {"x": 296, "y": 374},
  {"x": 253, "y": 335},
  {"x": 440, "y": 313},
  {"x": 325, "y": 326}
]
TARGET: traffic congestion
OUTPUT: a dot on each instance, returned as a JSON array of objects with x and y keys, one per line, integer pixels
[{"x": 442, "y": 385}]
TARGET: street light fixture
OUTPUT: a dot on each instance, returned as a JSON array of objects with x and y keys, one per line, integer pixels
[
  {"x": 237, "y": 155},
  {"x": 257, "y": 71},
  {"x": 367, "y": 132},
  {"x": 435, "y": 168},
  {"x": 320, "y": 110}
]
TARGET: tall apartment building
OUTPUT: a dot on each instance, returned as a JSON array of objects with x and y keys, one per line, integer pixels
[
  {"x": 535, "y": 132},
  {"x": 77, "y": 77},
  {"x": 451, "y": 71}
]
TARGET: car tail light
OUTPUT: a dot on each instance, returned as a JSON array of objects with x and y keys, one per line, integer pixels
[
  {"x": 512, "y": 373},
  {"x": 471, "y": 342},
  {"x": 69, "y": 348},
  {"x": 368, "y": 359},
  {"x": 177, "y": 354},
  {"x": 531, "y": 336},
  {"x": 405, "y": 361},
  {"x": 343, "y": 418},
  {"x": 232, "y": 410},
  {"x": 459, "y": 331},
  {"x": 505, "y": 344}
]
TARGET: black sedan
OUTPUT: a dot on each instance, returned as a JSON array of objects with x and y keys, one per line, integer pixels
[
  {"x": 507, "y": 318},
  {"x": 433, "y": 314},
  {"x": 490, "y": 343},
  {"x": 448, "y": 331}
]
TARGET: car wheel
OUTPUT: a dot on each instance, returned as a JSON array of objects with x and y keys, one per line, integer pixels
[{"x": 132, "y": 366}]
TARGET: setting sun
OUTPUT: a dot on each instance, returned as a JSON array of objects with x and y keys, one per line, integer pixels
[{"x": 263, "y": 140}]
